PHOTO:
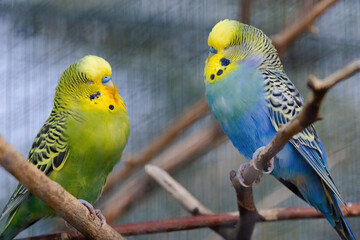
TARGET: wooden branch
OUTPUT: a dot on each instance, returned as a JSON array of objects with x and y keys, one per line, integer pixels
[
  {"x": 248, "y": 214},
  {"x": 184, "y": 197},
  {"x": 181, "y": 154},
  {"x": 286, "y": 37},
  {"x": 132, "y": 163},
  {"x": 62, "y": 202},
  {"x": 308, "y": 115},
  {"x": 178, "y": 192},
  {"x": 213, "y": 220}
]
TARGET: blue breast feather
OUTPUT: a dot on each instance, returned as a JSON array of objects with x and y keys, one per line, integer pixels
[{"x": 238, "y": 104}]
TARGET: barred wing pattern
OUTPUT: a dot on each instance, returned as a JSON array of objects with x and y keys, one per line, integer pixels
[
  {"x": 284, "y": 102},
  {"x": 48, "y": 153}
]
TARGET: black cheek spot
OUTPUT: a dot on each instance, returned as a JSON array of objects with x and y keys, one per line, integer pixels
[
  {"x": 111, "y": 107},
  {"x": 92, "y": 97},
  {"x": 219, "y": 72},
  {"x": 212, "y": 76}
]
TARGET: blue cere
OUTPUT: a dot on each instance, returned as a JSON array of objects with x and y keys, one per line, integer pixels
[
  {"x": 212, "y": 50},
  {"x": 105, "y": 80}
]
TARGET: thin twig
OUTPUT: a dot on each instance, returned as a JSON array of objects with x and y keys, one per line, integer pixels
[
  {"x": 286, "y": 37},
  {"x": 178, "y": 192},
  {"x": 132, "y": 163},
  {"x": 55, "y": 196},
  {"x": 308, "y": 115},
  {"x": 213, "y": 220},
  {"x": 184, "y": 197}
]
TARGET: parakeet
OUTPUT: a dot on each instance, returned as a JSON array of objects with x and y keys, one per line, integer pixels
[
  {"x": 250, "y": 96},
  {"x": 78, "y": 145}
]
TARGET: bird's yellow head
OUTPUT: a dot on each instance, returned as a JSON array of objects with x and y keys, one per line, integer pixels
[
  {"x": 230, "y": 42},
  {"x": 87, "y": 84}
]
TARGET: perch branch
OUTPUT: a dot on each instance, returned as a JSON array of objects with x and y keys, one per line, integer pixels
[
  {"x": 62, "y": 202},
  {"x": 204, "y": 221},
  {"x": 181, "y": 154},
  {"x": 132, "y": 163},
  {"x": 308, "y": 115},
  {"x": 248, "y": 214},
  {"x": 286, "y": 37}
]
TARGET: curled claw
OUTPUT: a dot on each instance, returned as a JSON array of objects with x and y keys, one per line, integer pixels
[
  {"x": 94, "y": 212},
  {"x": 239, "y": 175},
  {"x": 101, "y": 217},
  {"x": 256, "y": 154},
  {"x": 270, "y": 165}
]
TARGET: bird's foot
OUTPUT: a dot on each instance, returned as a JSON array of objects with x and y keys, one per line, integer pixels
[
  {"x": 269, "y": 167},
  {"x": 241, "y": 179},
  {"x": 94, "y": 212}
]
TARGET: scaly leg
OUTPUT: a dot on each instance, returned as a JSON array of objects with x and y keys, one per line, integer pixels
[
  {"x": 269, "y": 168},
  {"x": 94, "y": 212}
]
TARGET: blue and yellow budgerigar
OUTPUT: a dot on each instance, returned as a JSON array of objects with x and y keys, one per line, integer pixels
[
  {"x": 250, "y": 96},
  {"x": 78, "y": 145}
]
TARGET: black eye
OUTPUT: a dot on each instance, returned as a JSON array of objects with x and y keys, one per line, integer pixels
[{"x": 89, "y": 82}]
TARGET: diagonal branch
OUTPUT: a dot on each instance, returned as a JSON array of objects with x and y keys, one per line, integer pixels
[
  {"x": 184, "y": 197},
  {"x": 55, "y": 196},
  {"x": 308, "y": 115},
  {"x": 286, "y": 37}
]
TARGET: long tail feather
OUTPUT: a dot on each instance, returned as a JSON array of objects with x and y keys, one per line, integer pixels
[{"x": 336, "y": 217}]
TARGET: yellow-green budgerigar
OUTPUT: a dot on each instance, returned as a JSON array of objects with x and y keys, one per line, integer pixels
[
  {"x": 78, "y": 145},
  {"x": 250, "y": 95}
]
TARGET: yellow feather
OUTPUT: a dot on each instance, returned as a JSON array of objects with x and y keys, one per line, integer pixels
[
  {"x": 223, "y": 33},
  {"x": 94, "y": 67}
]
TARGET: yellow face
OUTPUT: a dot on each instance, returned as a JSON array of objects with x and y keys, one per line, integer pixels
[
  {"x": 99, "y": 92},
  {"x": 88, "y": 85},
  {"x": 224, "y": 50}
]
